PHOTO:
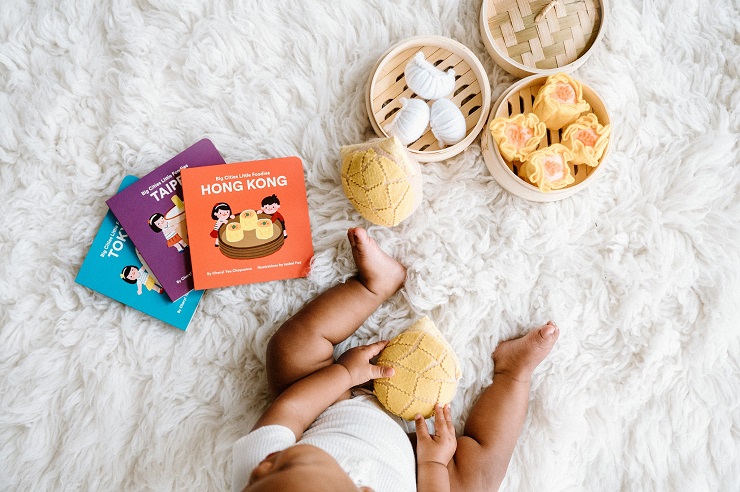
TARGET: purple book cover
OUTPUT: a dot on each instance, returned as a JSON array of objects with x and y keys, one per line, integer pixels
[{"x": 152, "y": 214}]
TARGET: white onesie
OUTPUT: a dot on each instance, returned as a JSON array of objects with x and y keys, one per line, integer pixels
[{"x": 367, "y": 442}]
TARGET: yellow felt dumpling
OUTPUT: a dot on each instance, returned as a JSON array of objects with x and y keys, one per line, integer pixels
[
  {"x": 548, "y": 168},
  {"x": 517, "y": 136},
  {"x": 426, "y": 371},
  {"x": 587, "y": 139},
  {"x": 381, "y": 180},
  {"x": 559, "y": 101}
]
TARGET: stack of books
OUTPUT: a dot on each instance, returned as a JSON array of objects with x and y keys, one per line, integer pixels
[{"x": 246, "y": 222}]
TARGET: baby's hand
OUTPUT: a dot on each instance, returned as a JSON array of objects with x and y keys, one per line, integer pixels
[
  {"x": 357, "y": 362},
  {"x": 440, "y": 447}
]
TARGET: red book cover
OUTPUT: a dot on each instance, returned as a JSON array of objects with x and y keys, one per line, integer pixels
[{"x": 247, "y": 222}]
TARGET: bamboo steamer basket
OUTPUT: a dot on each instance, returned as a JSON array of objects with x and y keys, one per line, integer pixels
[
  {"x": 560, "y": 42},
  {"x": 518, "y": 99},
  {"x": 472, "y": 92}
]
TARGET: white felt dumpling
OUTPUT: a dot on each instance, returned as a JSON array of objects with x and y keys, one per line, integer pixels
[
  {"x": 426, "y": 80},
  {"x": 447, "y": 122},
  {"x": 410, "y": 122}
]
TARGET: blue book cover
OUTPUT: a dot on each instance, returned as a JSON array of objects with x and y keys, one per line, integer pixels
[{"x": 115, "y": 268}]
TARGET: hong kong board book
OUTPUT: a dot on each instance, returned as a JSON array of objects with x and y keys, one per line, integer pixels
[
  {"x": 248, "y": 222},
  {"x": 151, "y": 211}
]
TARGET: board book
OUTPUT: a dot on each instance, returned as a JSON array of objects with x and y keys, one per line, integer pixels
[
  {"x": 114, "y": 268},
  {"x": 152, "y": 213},
  {"x": 248, "y": 222}
]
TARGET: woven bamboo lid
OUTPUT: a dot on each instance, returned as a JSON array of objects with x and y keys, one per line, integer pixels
[{"x": 560, "y": 42}]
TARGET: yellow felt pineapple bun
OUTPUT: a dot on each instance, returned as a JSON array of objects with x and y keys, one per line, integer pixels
[
  {"x": 426, "y": 371},
  {"x": 381, "y": 180}
]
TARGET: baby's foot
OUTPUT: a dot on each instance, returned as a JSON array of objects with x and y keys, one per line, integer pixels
[
  {"x": 518, "y": 358},
  {"x": 378, "y": 272}
]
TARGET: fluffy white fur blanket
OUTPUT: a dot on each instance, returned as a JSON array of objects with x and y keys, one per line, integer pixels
[{"x": 641, "y": 270}]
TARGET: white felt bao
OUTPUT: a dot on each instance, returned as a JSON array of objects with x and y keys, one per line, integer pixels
[
  {"x": 410, "y": 122},
  {"x": 447, "y": 122},
  {"x": 426, "y": 80}
]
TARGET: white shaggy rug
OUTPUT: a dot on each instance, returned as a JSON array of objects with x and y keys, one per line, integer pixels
[{"x": 641, "y": 271}]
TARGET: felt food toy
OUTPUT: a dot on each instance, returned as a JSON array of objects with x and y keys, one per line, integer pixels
[
  {"x": 548, "y": 168},
  {"x": 587, "y": 139},
  {"x": 559, "y": 102},
  {"x": 426, "y": 80},
  {"x": 517, "y": 136},
  {"x": 410, "y": 122},
  {"x": 264, "y": 229},
  {"x": 381, "y": 180},
  {"x": 248, "y": 220},
  {"x": 426, "y": 371},
  {"x": 234, "y": 232},
  {"x": 447, "y": 122}
]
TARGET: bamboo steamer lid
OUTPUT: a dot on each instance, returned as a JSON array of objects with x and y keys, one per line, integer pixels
[{"x": 561, "y": 41}]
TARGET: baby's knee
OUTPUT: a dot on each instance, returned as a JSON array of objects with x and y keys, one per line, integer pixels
[
  {"x": 473, "y": 467},
  {"x": 296, "y": 345},
  {"x": 294, "y": 352},
  {"x": 283, "y": 342}
]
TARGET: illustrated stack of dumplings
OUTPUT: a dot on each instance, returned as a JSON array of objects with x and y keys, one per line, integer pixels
[
  {"x": 415, "y": 116},
  {"x": 559, "y": 105}
]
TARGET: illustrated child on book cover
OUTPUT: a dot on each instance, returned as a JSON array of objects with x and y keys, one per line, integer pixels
[
  {"x": 270, "y": 206},
  {"x": 141, "y": 277},
  {"x": 252, "y": 235},
  {"x": 221, "y": 214},
  {"x": 167, "y": 227}
]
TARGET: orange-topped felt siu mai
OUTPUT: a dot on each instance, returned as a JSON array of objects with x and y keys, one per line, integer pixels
[
  {"x": 517, "y": 136},
  {"x": 548, "y": 168},
  {"x": 560, "y": 101},
  {"x": 587, "y": 139}
]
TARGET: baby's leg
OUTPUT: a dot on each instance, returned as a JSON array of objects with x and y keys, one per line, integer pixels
[
  {"x": 496, "y": 420},
  {"x": 305, "y": 342}
]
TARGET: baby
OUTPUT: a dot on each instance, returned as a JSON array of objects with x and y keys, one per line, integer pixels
[{"x": 322, "y": 432}]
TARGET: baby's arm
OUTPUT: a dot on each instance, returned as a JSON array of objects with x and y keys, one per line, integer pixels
[
  {"x": 299, "y": 405},
  {"x": 433, "y": 453}
]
